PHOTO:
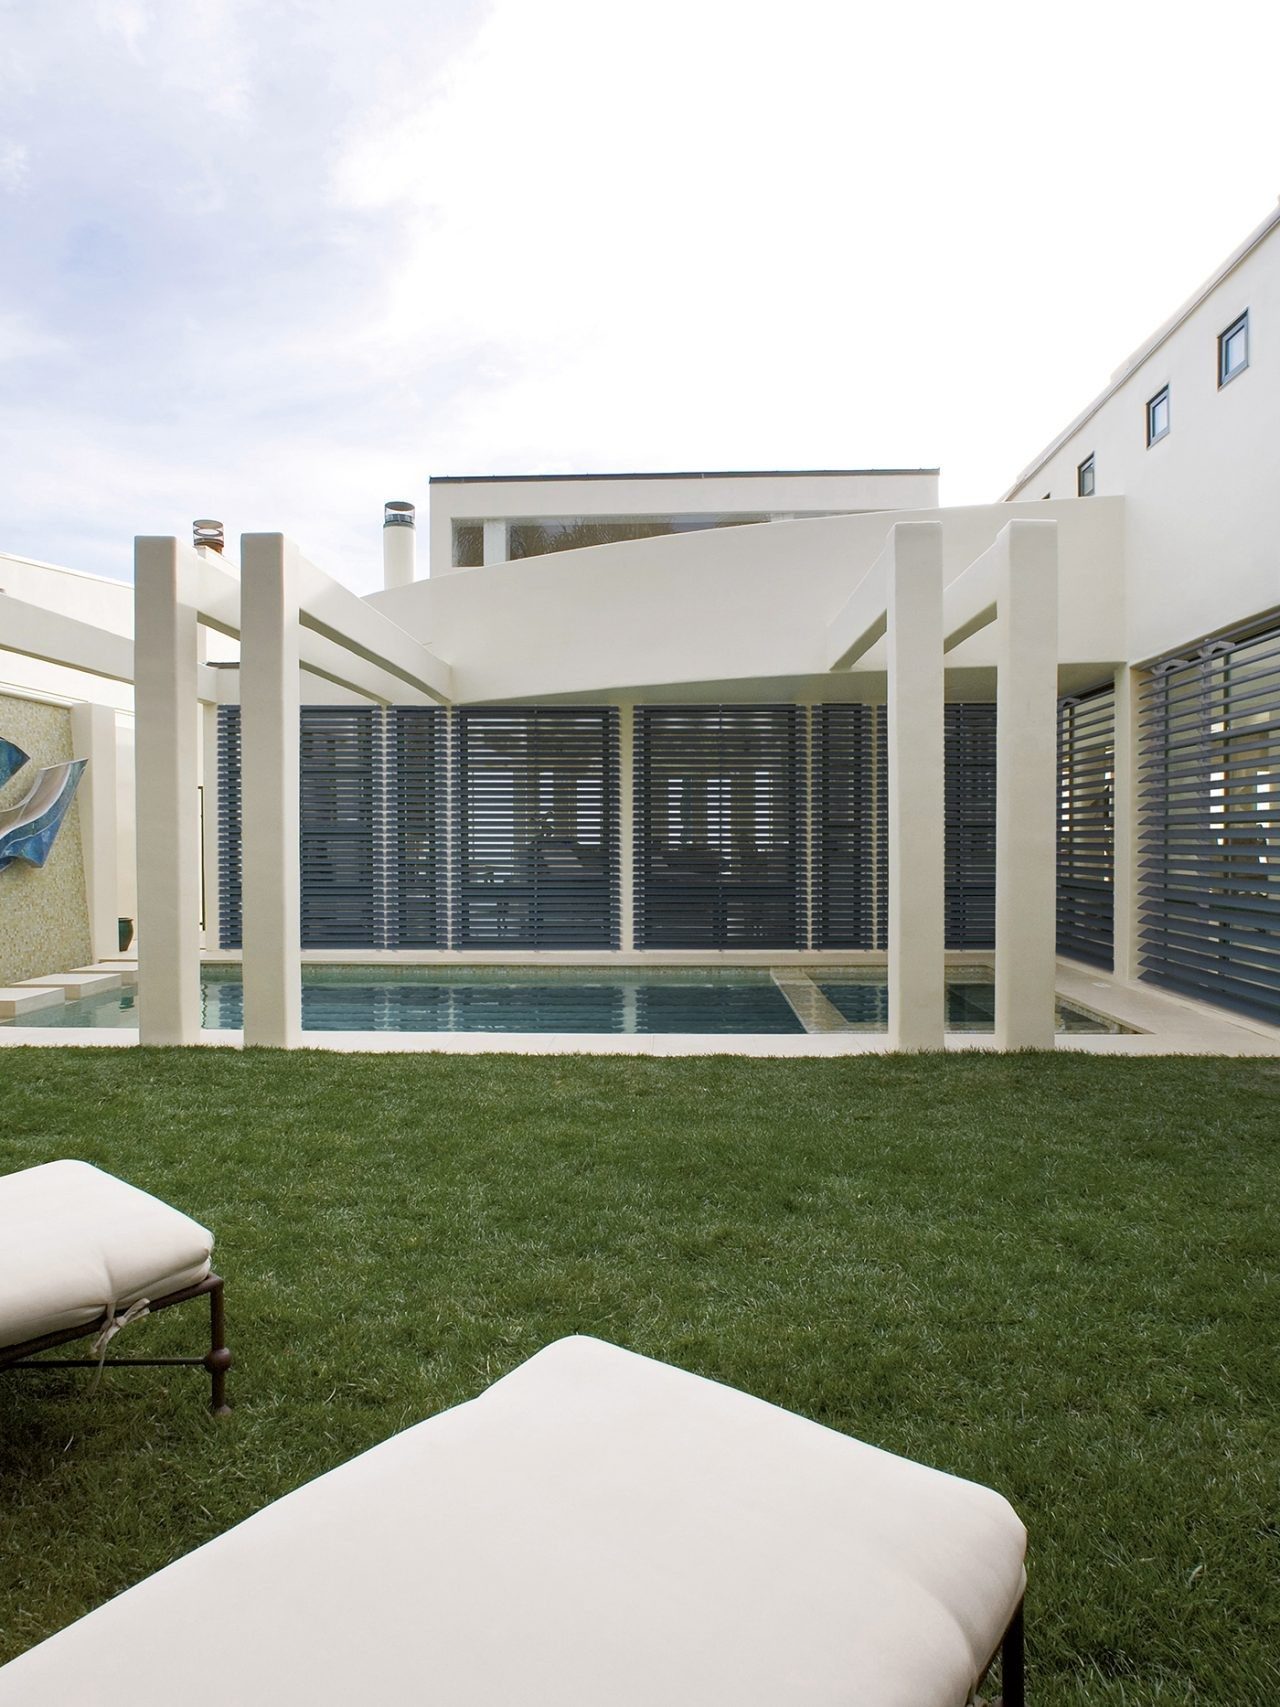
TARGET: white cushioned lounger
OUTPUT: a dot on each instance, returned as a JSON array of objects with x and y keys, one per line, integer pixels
[
  {"x": 595, "y": 1530},
  {"x": 76, "y": 1242},
  {"x": 82, "y": 1253}
]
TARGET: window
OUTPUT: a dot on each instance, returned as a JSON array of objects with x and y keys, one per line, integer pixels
[
  {"x": 1158, "y": 416},
  {"x": 468, "y": 545},
  {"x": 1233, "y": 349},
  {"x": 1084, "y": 479}
]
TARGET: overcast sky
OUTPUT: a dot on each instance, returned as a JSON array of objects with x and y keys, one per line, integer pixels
[{"x": 278, "y": 260}]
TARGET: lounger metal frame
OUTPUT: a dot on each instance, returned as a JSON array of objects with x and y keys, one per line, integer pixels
[
  {"x": 217, "y": 1360},
  {"x": 1013, "y": 1664}
]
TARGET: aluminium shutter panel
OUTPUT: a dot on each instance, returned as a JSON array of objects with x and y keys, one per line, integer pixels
[
  {"x": 1209, "y": 794},
  {"x": 340, "y": 789},
  {"x": 536, "y": 827},
  {"x": 850, "y": 826},
  {"x": 719, "y": 857},
  {"x": 415, "y": 891},
  {"x": 370, "y": 814},
  {"x": 230, "y": 912},
  {"x": 1086, "y": 827},
  {"x": 970, "y": 806}
]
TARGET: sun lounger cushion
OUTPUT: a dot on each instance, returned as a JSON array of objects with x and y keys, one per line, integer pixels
[
  {"x": 75, "y": 1241},
  {"x": 596, "y": 1530}
]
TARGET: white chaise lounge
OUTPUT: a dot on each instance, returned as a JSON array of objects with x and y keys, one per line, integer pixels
[
  {"x": 83, "y": 1253},
  {"x": 595, "y": 1530}
]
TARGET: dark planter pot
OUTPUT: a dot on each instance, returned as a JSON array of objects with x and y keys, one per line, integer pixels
[{"x": 126, "y": 933}]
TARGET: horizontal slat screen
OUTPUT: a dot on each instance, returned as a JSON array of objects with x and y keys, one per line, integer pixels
[
  {"x": 536, "y": 831},
  {"x": 230, "y": 914},
  {"x": 340, "y": 788},
  {"x": 370, "y": 789},
  {"x": 850, "y": 826},
  {"x": 1086, "y": 827},
  {"x": 415, "y": 899},
  {"x": 1209, "y": 785},
  {"x": 970, "y": 789},
  {"x": 718, "y": 832}
]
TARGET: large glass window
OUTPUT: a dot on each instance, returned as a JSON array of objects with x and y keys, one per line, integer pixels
[{"x": 569, "y": 533}]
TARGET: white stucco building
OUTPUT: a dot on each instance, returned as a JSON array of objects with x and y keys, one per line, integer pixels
[{"x": 732, "y": 717}]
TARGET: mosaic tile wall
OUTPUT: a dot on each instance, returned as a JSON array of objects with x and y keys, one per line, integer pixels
[{"x": 44, "y": 915}]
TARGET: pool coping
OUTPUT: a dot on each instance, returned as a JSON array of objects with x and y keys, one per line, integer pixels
[{"x": 1164, "y": 1024}]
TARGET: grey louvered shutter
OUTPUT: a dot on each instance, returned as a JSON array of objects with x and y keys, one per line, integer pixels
[
  {"x": 850, "y": 826},
  {"x": 719, "y": 828},
  {"x": 340, "y": 789},
  {"x": 536, "y": 827},
  {"x": 230, "y": 910},
  {"x": 1086, "y": 827},
  {"x": 1209, "y": 861},
  {"x": 970, "y": 806}
]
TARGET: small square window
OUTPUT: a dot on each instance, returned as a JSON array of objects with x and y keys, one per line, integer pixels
[
  {"x": 1233, "y": 349},
  {"x": 1158, "y": 416},
  {"x": 1084, "y": 479}
]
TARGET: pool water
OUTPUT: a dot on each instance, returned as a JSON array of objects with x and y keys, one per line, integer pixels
[{"x": 505, "y": 999}]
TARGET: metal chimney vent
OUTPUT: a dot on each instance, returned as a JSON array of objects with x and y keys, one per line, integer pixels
[
  {"x": 208, "y": 534},
  {"x": 398, "y": 514}
]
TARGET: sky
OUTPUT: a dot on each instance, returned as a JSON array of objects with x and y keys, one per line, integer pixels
[{"x": 276, "y": 261}]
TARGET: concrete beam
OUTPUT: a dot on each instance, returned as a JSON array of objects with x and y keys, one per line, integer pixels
[
  {"x": 270, "y": 865},
  {"x": 168, "y": 805},
  {"x": 917, "y": 993},
  {"x": 1026, "y": 783},
  {"x": 326, "y": 607},
  {"x": 326, "y": 652},
  {"x": 36, "y": 632},
  {"x": 862, "y": 619}
]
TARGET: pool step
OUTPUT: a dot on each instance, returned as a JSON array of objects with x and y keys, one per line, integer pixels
[
  {"x": 22, "y": 999},
  {"x": 74, "y": 985},
  {"x": 807, "y": 1002}
]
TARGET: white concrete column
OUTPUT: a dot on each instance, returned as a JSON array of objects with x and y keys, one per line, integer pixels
[
  {"x": 93, "y": 737},
  {"x": 165, "y": 658},
  {"x": 1126, "y": 811},
  {"x": 1026, "y": 782},
  {"x": 626, "y": 827},
  {"x": 495, "y": 542},
  {"x": 916, "y": 831},
  {"x": 209, "y": 823},
  {"x": 269, "y": 722}
]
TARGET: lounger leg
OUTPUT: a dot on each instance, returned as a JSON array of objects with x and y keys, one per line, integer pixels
[
  {"x": 219, "y": 1359},
  {"x": 1013, "y": 1685}
]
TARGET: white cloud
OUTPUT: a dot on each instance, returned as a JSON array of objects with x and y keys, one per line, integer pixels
[
  {"x": 279, "y": 262},
  {"x": 14, "y": 164}
]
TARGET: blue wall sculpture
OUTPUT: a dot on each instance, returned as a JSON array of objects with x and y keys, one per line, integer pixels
[{"x": 29, "y": 829}]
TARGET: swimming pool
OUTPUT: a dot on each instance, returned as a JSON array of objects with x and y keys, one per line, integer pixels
[{"x": 709, "y": 1002}]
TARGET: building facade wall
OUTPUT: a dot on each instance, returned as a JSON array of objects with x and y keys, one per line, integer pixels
[
  {"x": 1202, "y": 505},
  {"x": 44, "y": 912}
]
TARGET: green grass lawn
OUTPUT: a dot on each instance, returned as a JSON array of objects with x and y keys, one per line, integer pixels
[{"x": 1054, "y": 1274}]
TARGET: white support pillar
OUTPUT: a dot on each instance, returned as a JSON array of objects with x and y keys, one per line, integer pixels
[
  {"x": 269, "y": 713},
  {"x": 626, "y": 827},
  {"x": 93, "y": 737},
  {"x": 1026, "y": 782},
  {"x": 496, "y": 545},
  {"x": 917, "y": 992},
  {"x": 166, "y": 658},
  {"x": 209, "y": 824},
  {"x": 1125, "y": 797}
]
